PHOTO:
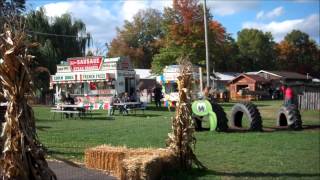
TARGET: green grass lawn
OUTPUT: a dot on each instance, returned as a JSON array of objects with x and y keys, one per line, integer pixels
[{"x": 254, "y": 155}]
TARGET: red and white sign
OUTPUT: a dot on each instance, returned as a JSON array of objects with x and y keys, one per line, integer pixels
[
  {"x": 125, "y": 64},
  {"x": 85, "y": 63}
]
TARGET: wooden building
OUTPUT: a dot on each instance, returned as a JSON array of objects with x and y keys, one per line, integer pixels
[
  {"x": 278, "y": 78},
  {"x": 248, "y": 87}
]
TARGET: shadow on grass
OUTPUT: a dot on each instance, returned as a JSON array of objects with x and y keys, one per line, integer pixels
[
  {"x": 153, "y": 108},
  {"x": 49, "y": 120},
  {"x": 265, "y": 129},
  {"x": 196, "y": 173},
  {"x": 232, "y": 104},
  {"x": 94, "y": 114},
  {"x": 64, "y": 154},
  {"x": 116, "y": 116},
  {"x": 286, "y": 128},
  {"x": 43, "y": 128},
  {"x": 137, "y": 115},
  {"x": 311, "y": 126},
  {"x": 100, "y": 118}
]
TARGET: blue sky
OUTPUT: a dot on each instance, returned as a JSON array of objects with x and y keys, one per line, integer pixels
[{"x": 276, "y": 16}]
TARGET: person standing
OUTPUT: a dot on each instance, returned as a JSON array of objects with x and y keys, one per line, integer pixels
[
  {"x": 69, "y": 101},
  {"x": 288, "y": 96},
  {"x": 157, "y": 95}
]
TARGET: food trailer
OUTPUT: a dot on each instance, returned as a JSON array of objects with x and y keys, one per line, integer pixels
[
  {"x": 169, "y": 82},
  {"x": 93, "y": 81}
]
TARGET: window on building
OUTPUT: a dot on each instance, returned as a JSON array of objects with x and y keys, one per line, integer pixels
[{"x": 242, "y": 87}]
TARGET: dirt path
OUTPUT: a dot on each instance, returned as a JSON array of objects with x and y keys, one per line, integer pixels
[{"x": 67, "y": 172}]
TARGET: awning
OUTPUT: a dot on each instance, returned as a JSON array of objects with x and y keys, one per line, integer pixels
[{"x": 68, "y": 78}]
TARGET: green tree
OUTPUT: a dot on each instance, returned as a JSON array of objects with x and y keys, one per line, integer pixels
[
  {"x": 183, "y": 30},
  {"x": 226, "y": 56},
  {"x": 58, "y": 40},
  {"x": 256, "y": 50},
  {"x": 10, "y": 9},
  {"x": 139, "y": 39},
  {"x": 297, "y": 52}
]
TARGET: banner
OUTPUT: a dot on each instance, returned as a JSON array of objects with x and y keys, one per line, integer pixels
[{"x": 85, "y": 63}]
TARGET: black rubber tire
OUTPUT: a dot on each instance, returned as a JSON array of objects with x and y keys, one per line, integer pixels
[
  {"x": 251, "y": 111},
  {"x": 222, "y": 120},
  {"x": 197, "y": 121},
  {"x": 222, "y": 124},
  {"x": 290, "y": 116}
]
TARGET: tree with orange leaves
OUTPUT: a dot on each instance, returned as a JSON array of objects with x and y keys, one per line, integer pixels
[
  {"x": 297, "y": 52},
  {"x": 184, "y": 35}
]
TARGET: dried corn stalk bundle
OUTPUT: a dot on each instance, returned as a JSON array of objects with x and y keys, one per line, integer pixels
[
  {"x": 130, "y": 164},
  {"x": 181, "y": 138},
  {"x": 22, "y": 155}
]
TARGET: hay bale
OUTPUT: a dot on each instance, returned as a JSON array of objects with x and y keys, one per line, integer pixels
[
  {"x": 134, "y": 164},
  {"x": 149, "y": 166},
  {"x": 105, "y": 158}
]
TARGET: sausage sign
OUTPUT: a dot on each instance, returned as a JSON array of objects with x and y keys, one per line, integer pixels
[{"x": 204, "y": 108}]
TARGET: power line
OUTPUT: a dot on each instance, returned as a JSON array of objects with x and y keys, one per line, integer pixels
[{"x": 51, "y": 34}]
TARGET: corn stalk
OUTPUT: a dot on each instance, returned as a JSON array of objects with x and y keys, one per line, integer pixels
[
  {"x": 182, "y": 137},
  {"x": 22, "y": 155}
]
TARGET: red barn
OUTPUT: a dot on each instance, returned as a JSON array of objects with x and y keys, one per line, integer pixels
[{"x": 248, "y": 87}]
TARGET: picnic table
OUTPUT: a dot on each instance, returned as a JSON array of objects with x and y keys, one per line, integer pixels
[
  {"x": 69, "y": 109},
  {"x": 125, "y": 107}
]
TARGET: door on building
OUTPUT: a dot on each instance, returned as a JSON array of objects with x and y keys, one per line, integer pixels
[{"x": 130, "y": 85}]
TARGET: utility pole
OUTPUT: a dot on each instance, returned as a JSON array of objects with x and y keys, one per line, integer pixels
[{"x": 206, "y": 41}]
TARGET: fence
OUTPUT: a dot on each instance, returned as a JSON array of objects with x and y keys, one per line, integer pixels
[{"x": 309, "y": 100}]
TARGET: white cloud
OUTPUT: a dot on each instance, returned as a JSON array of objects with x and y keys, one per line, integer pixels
[
  {"x": 271, "y": 14},
  {"x": 131, "y": 7},
  {"x": 57, "y": 9},
  {"x": 102, "y": 21},
  {"x": 230, "y": 7},
  {"x": 160, "y": 4},
  {"x": 309, "y": 25}
]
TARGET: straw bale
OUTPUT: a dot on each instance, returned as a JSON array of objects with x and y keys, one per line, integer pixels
[
  {"x": 130, "y": 164},
  {"x": 105, "y": 158},
  {"x": 148, "y": 166}
]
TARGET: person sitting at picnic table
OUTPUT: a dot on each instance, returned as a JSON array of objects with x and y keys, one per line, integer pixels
[
  {"x": 114, "y": 99},
  {"x": 69, "y": 100},
  {"x": 133, "y": 97},
  {"x": 125, "y": 97}
]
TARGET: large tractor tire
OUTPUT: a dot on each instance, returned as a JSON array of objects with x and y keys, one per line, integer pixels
[
  {"x": 222, "y": 123},
  {"x": 197, "y": 122},
  {"x": 251, "y": 111},
  {"x": 222, "y": 120},
  {"x": 290, "y": 116}
]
